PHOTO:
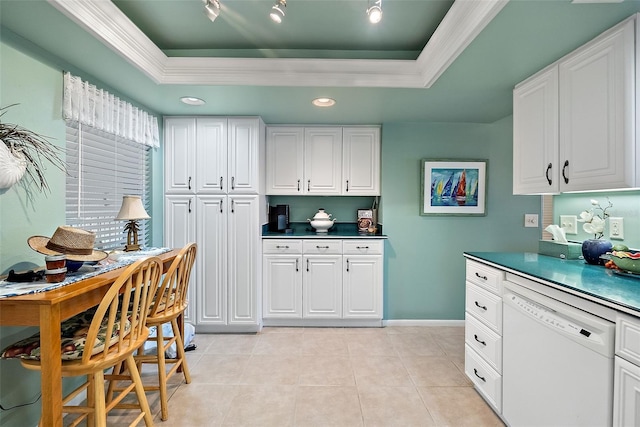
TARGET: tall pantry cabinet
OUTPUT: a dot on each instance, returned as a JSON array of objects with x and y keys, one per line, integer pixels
[{"x": 214, "y": 196}]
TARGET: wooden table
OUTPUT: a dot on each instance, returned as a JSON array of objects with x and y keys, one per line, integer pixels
[{"x": 47, "y": 310}]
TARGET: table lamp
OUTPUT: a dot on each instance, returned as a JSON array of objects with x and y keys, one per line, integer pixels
[{"x": 132, "y": 210}]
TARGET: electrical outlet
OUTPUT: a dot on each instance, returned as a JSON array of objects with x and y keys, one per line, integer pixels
[
  {"x": 530, "y": 220},
  {"x": 616, "y": 229},
  {"x": 569, "y": 223}
]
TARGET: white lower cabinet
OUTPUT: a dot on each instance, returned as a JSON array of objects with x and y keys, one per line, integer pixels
[
  {"x": 483, "y": 331},
  {"x": 322, "y": 282},
  {"x": 626, "y": 389},
  {"x": 223, "y": 291}
]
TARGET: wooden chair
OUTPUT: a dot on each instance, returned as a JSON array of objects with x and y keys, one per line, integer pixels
[
  {"x": 128, "y": 332},
  {"x": 168, "y": 305}
]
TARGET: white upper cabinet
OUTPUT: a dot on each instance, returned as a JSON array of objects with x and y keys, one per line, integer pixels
[
  {"x": 323, "y": 160},
  {"x": 213, "y": 155},
  {"x": 535, "y": 134},
  {"x": 361, "y": 161},
  {"x": 285, "y": 160},
  {"x": 180, "y": 155},
  {"x": 596, "y": 144}
]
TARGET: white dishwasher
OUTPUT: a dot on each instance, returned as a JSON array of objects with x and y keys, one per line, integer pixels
[{"x": 557, "y": 362}]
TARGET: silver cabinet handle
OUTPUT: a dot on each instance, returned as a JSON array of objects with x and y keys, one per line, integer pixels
[
  {"x": 297, "y": 264},
  {"x": 322, "y": 247},
  {"x": 308, "y": 185},
  {"x": 221, "y": 205},
  {"x": 189, "y": 206},
  {"x": 347, "y": 265},
  {"x": 233, "y": 208},
  {"x": 221, "y": 183},
  {"x": 298, "y": 185},
  {"x": 307, "y": 264},
  {"x": 189, "y": 184},
  {"x": 233, "y": 182},
  {"x": 347, "y": 185},
  {"x": 362, "y": 247},
  {"x": 282, "y": 247}
]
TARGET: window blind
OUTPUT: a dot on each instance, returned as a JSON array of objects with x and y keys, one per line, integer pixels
[{"x": 102, "y": 168}]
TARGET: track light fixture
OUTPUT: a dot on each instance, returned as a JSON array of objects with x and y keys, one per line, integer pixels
[
  {"x": 212, "y": 9},
  {"x": 375, "y": 12},
  {"x": 277, "y": 11}
]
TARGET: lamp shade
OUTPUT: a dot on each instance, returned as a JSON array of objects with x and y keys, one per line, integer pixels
[{"x": 132, "y": 209}]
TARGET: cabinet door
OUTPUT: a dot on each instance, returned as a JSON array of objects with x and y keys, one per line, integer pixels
[
  {"x": 626, "y": 394},
  {"x": 322, "y": 287},
  {"x": 211, "y": 155},
  {"x": 535, "y": 134},
  {"x": 244, "y": 156},
  {"x": 244, "y": 261},
  {"x": 596, "y": 113},
  {"x": 362, "y": 287},
  {"x": 179, "y": 230},
  {"x": 282, "y": 286},
  {"x": 361, "y": 161},
  {"x": 323, "y": 161},
  {"x": 285, "y": 148},
  {"x": 179, "y": 155},
  {"x": 211, "y": 261}
]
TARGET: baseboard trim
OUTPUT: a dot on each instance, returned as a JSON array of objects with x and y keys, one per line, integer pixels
[{"x": 422, "y": 322}]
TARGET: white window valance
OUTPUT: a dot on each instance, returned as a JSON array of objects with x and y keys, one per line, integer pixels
[{"x": 86, "y": 104}]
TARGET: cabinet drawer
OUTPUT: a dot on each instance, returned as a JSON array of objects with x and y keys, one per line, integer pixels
[
  {"x": 322, "y": 247},
  {"x": 484, "y": 341},
  {"x": 485, "y": 306},
  {"x": 362, "y": 247},
  {"x": 485, "y": 276},
  {"x": 485, "y": 378},
  {"x": 285, "y": 246},
  {"x": 628, "y": 338}
]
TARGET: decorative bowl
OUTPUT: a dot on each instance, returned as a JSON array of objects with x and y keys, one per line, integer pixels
[
  {"x": 73, "y": 265},
  {"x": 321, "y": 221},
  {"x": 626, "y": 263}
]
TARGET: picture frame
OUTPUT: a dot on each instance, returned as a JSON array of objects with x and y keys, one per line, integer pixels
[{"x": 441, "y": 193}]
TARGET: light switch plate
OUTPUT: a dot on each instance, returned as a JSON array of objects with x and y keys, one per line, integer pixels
[
  {"x": 530, "y": 220},
  {"x": 569, "y": 223}
]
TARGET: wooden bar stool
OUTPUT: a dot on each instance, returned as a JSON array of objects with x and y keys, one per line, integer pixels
[
  {"x": 115, "y": 334},
  {"x": 169, "y": 303}
]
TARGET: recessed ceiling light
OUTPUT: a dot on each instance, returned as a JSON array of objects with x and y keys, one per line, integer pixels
[
  {"x": 192, "y": 100},
  {"x": 324, "y": 102},
  {"x": 375, "y": 12}
]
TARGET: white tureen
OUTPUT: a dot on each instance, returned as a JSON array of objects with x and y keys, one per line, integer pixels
[{"x": 321, "y": 221}]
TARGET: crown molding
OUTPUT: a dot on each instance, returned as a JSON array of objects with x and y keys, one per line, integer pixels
[{"x": 464, "y": 21}]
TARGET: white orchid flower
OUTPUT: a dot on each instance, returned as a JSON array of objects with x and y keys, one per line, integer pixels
[
  {"x": 594, "y": 202},
  {"x": 596, "y": 226},
  {"x": 586, "y": 216}
]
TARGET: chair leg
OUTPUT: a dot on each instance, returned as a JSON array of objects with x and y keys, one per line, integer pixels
[
  {"x": 117, "y": 370},
  {"x": 100, "y": 412},
  {"x": 91, "y": 399},
  {"x": 180, "y": 350},
  {"x": 139, "y": 387},
  {"x": 162, "y": 374}
]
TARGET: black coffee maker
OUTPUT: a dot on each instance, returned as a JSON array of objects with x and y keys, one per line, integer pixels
[{"x": 278, "y": 218}]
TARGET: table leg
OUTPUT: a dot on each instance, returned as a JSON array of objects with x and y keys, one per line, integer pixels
[{"x": 51, "y": 365}]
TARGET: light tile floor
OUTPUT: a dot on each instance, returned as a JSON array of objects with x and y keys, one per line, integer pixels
[{"x": 394, "y": 376}]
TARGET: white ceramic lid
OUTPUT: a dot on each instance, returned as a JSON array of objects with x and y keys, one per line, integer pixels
[{"x": 321, "y": 215}]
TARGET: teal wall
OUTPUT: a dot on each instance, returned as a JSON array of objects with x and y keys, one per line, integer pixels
[
  {"x": 626, "y": 204},
  {"x": 424, "y": 262},
  {"x": 34, "y": 82}
]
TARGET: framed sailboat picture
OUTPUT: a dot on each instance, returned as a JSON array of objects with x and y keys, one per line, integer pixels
[{"x": 453, "y": 187}]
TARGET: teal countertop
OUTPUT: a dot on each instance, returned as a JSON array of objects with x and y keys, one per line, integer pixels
[
  {"x": 340, "y": 230},
  {"x": 606, "y": 286}
]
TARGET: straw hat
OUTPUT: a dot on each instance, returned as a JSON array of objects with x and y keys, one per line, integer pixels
[{"x": 75, "y": 243}]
